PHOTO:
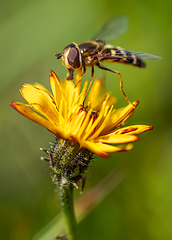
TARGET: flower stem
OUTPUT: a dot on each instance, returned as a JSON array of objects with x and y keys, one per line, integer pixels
[{"x": 66, "y": 194}]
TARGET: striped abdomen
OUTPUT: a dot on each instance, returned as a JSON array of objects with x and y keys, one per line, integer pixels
[{"x": 120, "y": 55}]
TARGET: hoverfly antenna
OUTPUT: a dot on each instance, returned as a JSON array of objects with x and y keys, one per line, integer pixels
[{"x": 58, "y": 55}]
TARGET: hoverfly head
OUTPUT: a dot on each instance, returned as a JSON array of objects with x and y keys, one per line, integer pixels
[{"x": 72, "y": 56}]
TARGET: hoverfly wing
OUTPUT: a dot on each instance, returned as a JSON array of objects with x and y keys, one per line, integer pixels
[
  {"x": 143, "y": 55},
  {"x": 112, "y": 29}
]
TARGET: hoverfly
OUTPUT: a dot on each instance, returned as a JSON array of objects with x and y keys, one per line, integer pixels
[{"x": 91, "y": 53}]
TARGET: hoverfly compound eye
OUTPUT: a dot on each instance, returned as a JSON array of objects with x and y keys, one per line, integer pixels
[{"x": 74, "y": 56}]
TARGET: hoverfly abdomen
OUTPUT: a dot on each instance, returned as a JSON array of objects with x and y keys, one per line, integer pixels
[
  {"x": 117, "y": 54},
  {"x": 129, "y": 57},
  {"x": 139, "y": 63}
]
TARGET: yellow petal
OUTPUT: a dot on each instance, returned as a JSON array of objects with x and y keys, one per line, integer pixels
[
  {"x": 69, "y": 90},
  {"x": 102, "y": 150},
  {"x": 41, "y": 101},
  {"x": 118, "y": 138},
  {"x": 110, "y": 101},
  {"x": 85, "y": 126},
  {"x": 110, "y": 148},
  {"x": 94, "y": 92},
  {"x": 78, "y": 79},
  {"x": 83, "y": 92},
  {"x": 30, "y": 114},
  {"x": 94, "y": 148},
  {"x": 56, "y": 87},
  {"x": 133, "y": 129},
  {"x": 120, "y": 116},
  {"x": 75, "y": 124},
  {"x": 103, "y": 123},
  {"x": 38, "y": 85},
  {"x": 123, "y": 113},
  {"x": 96, "y": 123}
]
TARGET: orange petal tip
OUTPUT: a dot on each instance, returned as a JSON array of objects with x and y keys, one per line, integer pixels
[
  {"x": 103, "y": 155},
  {"x": 12, "y": 104},
  {"x": 135, "y": 103},
  {"x": 53, "y": 74},
  {"x": 148, "y": 128},
  {"x": 151, "y": 127}
]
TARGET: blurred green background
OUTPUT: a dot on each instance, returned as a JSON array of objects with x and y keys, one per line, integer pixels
[{"x": 31, "y": 32}]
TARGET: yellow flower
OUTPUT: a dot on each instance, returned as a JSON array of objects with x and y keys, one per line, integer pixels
[{"x": 93, "y": 123}]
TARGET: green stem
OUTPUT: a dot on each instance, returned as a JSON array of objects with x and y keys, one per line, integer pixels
[{"x": 66, "y": 194}]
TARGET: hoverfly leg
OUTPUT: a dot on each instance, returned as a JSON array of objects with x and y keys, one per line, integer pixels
[
  {"x": 104, "y": 82},
  {"x": 83, "y": 72},
  {"x": 91, "y": 81},
  {"x": 121, "y": 82},
  {"x": 121, "y": 87},
  {"x": 81, "y": 77}
]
